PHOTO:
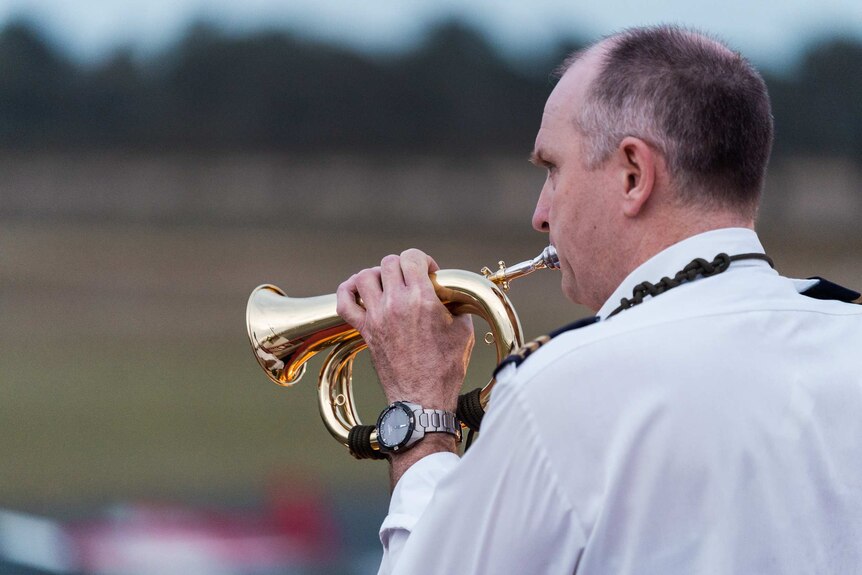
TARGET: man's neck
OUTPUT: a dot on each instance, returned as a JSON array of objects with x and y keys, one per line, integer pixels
[{"x": 651, "y": 238}]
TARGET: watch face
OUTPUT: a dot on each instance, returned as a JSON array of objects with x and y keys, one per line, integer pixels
[{"x": 394, "y": 426}]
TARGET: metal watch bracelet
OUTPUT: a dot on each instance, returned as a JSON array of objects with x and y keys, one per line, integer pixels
[{"x": 439, "y": 420}]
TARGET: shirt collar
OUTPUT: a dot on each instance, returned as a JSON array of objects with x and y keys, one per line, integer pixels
[{"x": 672, "y": 259}]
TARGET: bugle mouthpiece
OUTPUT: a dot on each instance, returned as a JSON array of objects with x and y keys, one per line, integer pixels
[{"x": 546, "y": 260}]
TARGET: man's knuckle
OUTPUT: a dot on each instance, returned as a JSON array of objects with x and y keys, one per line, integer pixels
[
  {"x": 366, "y": 274},
  {"x": 428, "y": 304}
]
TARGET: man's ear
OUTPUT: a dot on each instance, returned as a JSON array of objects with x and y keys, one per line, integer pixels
[{"x": 639, "y": 164}]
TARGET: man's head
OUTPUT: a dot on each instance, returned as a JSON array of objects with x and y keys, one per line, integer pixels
[{"x": 651, "y": 135}]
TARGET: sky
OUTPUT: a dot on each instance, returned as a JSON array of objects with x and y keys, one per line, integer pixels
[{"x": 770, "y": 32}]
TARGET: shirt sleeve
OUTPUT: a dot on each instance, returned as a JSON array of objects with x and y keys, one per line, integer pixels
[
  {"x": 409, "y": 499},
  {"x": 499, "y": 509}
]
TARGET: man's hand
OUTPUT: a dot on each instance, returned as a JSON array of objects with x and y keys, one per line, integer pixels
[{"x": 419, "y": 349}]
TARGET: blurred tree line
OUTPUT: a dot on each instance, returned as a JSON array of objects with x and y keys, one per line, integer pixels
[{"x": 272, "y": 90}]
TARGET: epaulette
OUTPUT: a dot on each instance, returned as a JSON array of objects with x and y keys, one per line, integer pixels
[
  {"x": 825, "y": 289},
  {"x": 518, "y": 356}
]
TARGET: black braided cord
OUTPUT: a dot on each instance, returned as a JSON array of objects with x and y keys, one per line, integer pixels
[
  {"x": 359, "y": 443},
  {"x": 698, "y": 267},
  {"x": 470, "y": 410}
]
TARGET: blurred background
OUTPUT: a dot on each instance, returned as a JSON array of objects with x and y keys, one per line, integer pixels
[{"x": 159, "y": 160}]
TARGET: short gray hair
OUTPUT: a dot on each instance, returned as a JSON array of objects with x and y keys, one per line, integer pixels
[{"x": 702, "y": 105}]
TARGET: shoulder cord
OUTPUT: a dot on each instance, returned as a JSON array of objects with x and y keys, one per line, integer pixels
[{"x": 697, "y": 267}]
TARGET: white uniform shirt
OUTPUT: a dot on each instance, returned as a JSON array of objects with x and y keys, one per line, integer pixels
[{"x": 715, "y": 428}]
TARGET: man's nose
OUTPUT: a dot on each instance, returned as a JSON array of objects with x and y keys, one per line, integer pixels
[{"x": 540, "y": 214}]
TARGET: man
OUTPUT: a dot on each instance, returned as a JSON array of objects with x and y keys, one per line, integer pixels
[{"x": 708, "y": 422}]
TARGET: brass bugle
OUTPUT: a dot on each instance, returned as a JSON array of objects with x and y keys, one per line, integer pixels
[{"x": 286, "y": 332}]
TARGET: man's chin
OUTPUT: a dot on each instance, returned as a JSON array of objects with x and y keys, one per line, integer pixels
[
  {"x": 572, "y": 292},
  {"x": 569, "y": 288}
]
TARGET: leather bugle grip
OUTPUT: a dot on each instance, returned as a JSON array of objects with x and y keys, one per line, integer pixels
[{"x": 359, "y": 443}]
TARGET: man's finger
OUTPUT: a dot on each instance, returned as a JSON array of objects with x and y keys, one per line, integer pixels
[
  {"x": 416, "y": 267},
  {"x": 391, "y": 276},
  {"x": 347, "y": 304},
  {"x": 369, "y": 286}
]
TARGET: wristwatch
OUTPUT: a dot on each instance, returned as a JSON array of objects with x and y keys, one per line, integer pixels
[{"x": 402, "y": 424}]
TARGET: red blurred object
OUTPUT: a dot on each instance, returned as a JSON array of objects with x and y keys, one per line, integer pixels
[{"x": 296, "y": 530}]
